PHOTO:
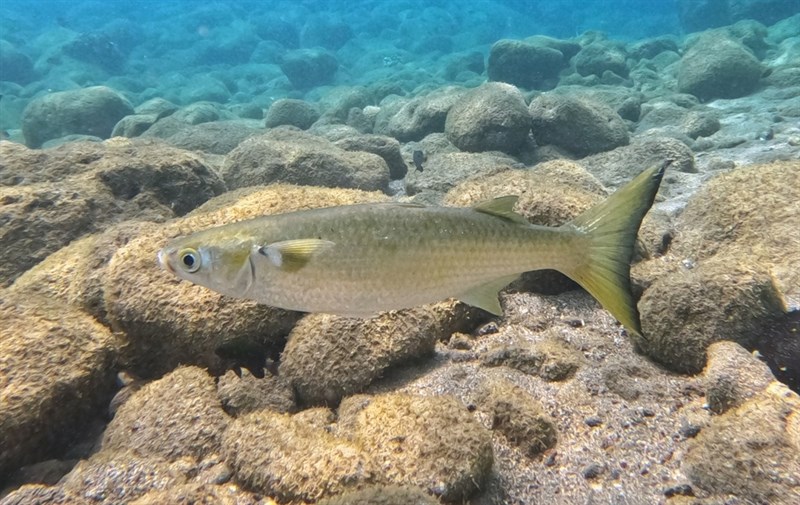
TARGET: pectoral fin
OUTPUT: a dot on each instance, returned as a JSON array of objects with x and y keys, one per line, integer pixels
[
  {"x": 485, "y": 295},
  {"x": 292, "y": 255}
]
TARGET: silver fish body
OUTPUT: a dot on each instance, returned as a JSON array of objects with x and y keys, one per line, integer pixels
[{"x": 362, "y": 259}]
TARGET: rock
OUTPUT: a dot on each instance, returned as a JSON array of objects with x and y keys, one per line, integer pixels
[
  {"x": 329, "y": 357},
  {"x": 569, "y": 48},
  {"x": 418, "y": 117},
  {"x": 696, "y": 15},
  {"x": 730, "y": 215},
  {"x": 270, "y": 27},
  {"x": 725, "y": 297},
  {"x": 74, "y": 274},
  {"x": 218, "y": 137},
  {"x": 518, "y": 416},
  {"x": 283, "y": 457},
  {"x": 382, "y": 495},
  {"x": 524, "y": 64},
  {"x": 17, "y": 66},
  {"x": 293, "y": 112},
  {"x": 599, "y": 57},
  {"x": 176, "y": 416},
  {"x": 385, "y": 147},
  {"x": 134, "y": 125},
  {"x": 460, "y": 63},
  {"x": 550, "y": 359},
  {"x": 492, "y": 117},
  {"x": 96, "y": 48},
  {"x": 619, "y": 165},
  {"x": 321, "y": 30},
  {"x": 444, "y": 171},
  {"x": 650, "y": 48},
  {"x": 718, "y": 67},
  {"x": 90, "y": 111},
  {"x": 307, "y": 68},
  {"x": 118, "y": 477},
  {"x": 551, "y": 194},
  {"x": 167, "y": 322},
  {"x": 579, "y": 126},
  {"x": 261, "y": 160},
  {"x": 752, "y": 452},
  {"x": 58, "y": 374},
  {"x": 337, "y": 102},
  {"x": 431, "y": 442},
  {"x": 78, "y": 189},
  {"x": 245, "y": 394},
  {"x": 38, "y": 493},
  {"x": 196, "y": 493},
  {"x": 733, "y": 376}
]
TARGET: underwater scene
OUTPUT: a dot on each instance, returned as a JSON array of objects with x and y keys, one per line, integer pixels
[{"x": 400, "y": 252}]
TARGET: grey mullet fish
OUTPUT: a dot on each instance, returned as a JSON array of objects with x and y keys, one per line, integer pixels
[{"x": 357, "y": 260}]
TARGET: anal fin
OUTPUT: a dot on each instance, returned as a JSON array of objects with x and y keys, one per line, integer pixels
[{"x": 484, "y": 296}]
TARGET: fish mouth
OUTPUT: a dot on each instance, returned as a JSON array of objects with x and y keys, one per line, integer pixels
[{"x": 163, "y": 260}]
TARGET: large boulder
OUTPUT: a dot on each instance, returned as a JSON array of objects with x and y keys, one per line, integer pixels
[
  {"x": 716, "y": 66},
  {"x": 524, "y": 64},
  {"x": 600, "y": 57},
  {"x": 303, "y": 160},
  {"x": 444, "y": 171},
  {"x": 16, "y": 66},
  {"x": 580, "y": 126},
  {"x": 418, "y": 117},
  {"x": 493, "y": 117},
  {"x": 89, "y": 111},
  {"x": 292, "y": 112}
]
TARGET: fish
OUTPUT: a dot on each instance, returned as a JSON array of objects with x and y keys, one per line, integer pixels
[
  {"x": 418, "y": 157},
  {"x": 360, "y": 260}
]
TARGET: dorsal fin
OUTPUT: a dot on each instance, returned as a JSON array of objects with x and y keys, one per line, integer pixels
[{"x": 502, "y": 207}]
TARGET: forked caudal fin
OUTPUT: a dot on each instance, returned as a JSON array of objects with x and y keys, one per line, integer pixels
[{"x": 611, "y": 228}]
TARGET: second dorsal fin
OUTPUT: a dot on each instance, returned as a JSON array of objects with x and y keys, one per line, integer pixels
[{"x": 502, "y": 207}]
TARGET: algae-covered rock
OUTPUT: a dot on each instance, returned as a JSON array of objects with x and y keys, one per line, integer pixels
[
  {"x": 752, "y": 451},
  {"x": 418, "y": 117},
  {"x": 599, "y": 57},
  {"x": 493, "y": 117},
  {"x": 580, "y": 126},
  {"x": 56, "y": 374},
  {"x": 726, "y": 297},
  {"x": 241, "y": 395},
  {"x": 733, "y": 376},
  {"x": 430, "y": 442},
  {"x": 55, "y": 196},
  {"x": 328, "y": 357},
  {"x": 118, "y": 477},
  {"x": 445, "y": 170},
  {"x": 717, "y": 66},
  {"x": 215, "y": 137},
  {"x": 88, "y": 111},
  {"x": 205, "y": 494},
  {"x": 517, "y": 415},
  {"x": 618, "y": 166},
  {"x": 175, "y": 416},
  {"x": 550, "y": 359},
  {"x": 277, "y": 455},
  {"x": 38, "y": 493},
  {"x": 75, "y": 273},
  {"x": 524, "y": 64},
  {"x": 263, "y": 160},
  {"x": 292, "y": 112},
  {"x": 167, "y": 321},
  {"x": 385, "y": 147},
  {"x": 382, "y": 495}
]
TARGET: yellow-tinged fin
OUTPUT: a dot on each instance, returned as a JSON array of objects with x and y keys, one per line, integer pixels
[
  {"x": 611, "y": 228},
  {"x": 292, "y": 255},
  {"x": 502, "y": 207},
  {"x": 485, "y": 295}
]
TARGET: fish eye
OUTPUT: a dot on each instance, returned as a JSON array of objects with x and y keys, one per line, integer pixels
[{"x": 189, "y": 260}]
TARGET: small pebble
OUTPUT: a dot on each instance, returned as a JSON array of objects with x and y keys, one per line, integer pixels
[
  {"x": 592, "y": 471},
  {"x": 593, "y": 421}
]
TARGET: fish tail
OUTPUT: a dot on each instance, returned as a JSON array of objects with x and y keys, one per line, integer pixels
[{"x": 609, "y": 232}]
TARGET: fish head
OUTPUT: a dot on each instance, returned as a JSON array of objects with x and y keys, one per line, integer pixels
[{"x": 222, "y": 264}]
